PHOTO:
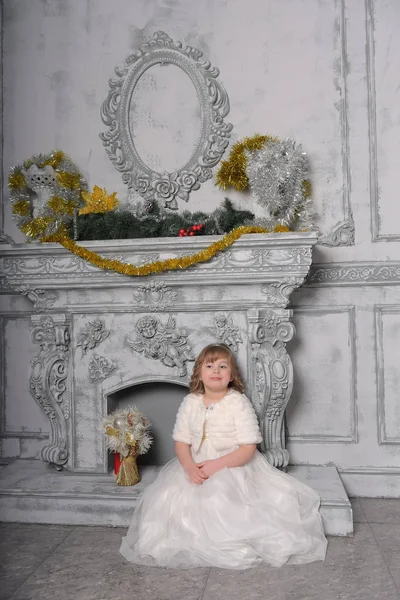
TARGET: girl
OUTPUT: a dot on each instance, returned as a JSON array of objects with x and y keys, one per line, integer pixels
[{"x": 220, "y": 503}]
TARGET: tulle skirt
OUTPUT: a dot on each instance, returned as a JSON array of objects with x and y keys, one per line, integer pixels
[{"x": 236, "y": 519}]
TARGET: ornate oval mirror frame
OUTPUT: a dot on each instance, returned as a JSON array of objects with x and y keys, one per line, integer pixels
[{"x": 214, "y": 135}]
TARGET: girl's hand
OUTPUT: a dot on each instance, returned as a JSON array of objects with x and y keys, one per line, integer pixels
[
  {"x": 209, "y": 467},
  {"x": 195, "y": 474}
]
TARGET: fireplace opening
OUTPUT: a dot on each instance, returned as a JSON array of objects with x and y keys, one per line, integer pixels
[{"x": 159, "y": 401}]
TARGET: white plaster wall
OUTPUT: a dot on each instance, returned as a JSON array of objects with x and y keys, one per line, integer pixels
[{"x": 324, "y": 73}]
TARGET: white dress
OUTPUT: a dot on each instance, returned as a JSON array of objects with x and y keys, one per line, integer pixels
[{"x": 236, "y": 519}]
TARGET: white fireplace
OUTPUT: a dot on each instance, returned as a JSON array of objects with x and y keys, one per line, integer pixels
[
  {"x": 98, "y": 332},
  {"x": 103, "y": 339}
]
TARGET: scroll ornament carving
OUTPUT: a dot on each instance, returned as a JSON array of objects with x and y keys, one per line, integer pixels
[
  {"x": 342, "y": 234},
  {"x": 92, "y": 336},
  {"x": 155, "y": 296},
  {"x": 6, "y": 239},
  {"x": 272, "y": 375},
  {"x": 100, "y": 367},
  {"x": 226, "y": 331},
  {"x": 278, "y": 292},
  {"x": 42, "y": 299},
  {"x": 163, "y": 342},
  {"x": 355, "y": 274},
  {"x": 48, "y": 381},
  {"x": 165, "y": 188}
]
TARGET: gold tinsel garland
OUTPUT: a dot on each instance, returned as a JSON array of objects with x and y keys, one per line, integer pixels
[
  {"x": 232, "y": 172},
  {"x": 169, "y": 264},
  {"x": 50, "y": 224}
]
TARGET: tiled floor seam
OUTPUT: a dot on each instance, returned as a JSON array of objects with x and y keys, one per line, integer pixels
[
  {"x": 205, "y": 585},
  {"x": 384, "y": 559},
  {"x": 40, "y": 564},
  {"x": 360, "y": 504}
]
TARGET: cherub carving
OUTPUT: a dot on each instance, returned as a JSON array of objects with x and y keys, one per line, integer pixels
[
  {"x": 92, "y": 335},
  {"x": 162, "y": 342},
  {"x": 225, "y": 330}
]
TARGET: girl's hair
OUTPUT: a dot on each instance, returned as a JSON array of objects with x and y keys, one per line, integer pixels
[{"x": 212, "y": 353}]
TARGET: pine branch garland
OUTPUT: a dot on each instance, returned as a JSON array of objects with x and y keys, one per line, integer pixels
[{"x": 122, "y": 224}]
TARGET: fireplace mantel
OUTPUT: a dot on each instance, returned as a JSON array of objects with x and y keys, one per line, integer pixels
[{"x": 97, "y": 331}]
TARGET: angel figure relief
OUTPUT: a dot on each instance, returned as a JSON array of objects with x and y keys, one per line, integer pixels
[
  {"x": 226, "y": 331},
  {"x": 162, "y": 342}
]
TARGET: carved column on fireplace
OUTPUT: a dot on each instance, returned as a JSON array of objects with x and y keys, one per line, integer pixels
[
  {"x": 271, "y": 377},
  {"x": 48, "y": 382}
]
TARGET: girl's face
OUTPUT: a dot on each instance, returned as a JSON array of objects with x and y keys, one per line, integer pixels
[{"x": 216, "y": 375}]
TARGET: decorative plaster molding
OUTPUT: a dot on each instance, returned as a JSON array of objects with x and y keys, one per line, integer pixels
[
  {"x": 352, "y": 438},
  {"x": 155, "y": 296},
  {"x": 2, "y": 375},
  {"x": 226, "y": 331},
  {"x": 5, "y": 287},
  {"x": 49, "y": 381},
  {"x": 214, "y": 136},
  {"x": 342, "y": 234},
  {"x": 372, "y": 129},
  {"x": 256, "y": 256},
  {"x": 42, "y": 299},
  {"x": 100, "y": 367},
  {"x": 92, "y": 335},
  {"x": 271, "y": 377},
  {"x": 349, "y": 274},
  {"x": 278, "y": 292},
  {"x": 376, "y": 233},
  {"x": 163, "y": 342},
  {"x": 5, "y": 239},
  {"x": 379, "y": 311}
]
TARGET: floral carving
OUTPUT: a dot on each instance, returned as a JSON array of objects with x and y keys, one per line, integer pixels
[
  {"x": 163, "y": 342},
  {"x": 165, "y": 190},
  {"x": 100, "y": 367},
  {"x": 187, "y": 181},
  {"x": 143, "y": 185},
  {"x": 226, "y": 331},
  {"x": 92, "y": 335}
]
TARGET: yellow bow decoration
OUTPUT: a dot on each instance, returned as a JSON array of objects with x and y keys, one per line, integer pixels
[{"x": 98, "y": 201}]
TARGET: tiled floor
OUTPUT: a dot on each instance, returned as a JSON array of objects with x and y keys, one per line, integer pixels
[{"x": 50, "y": 562}]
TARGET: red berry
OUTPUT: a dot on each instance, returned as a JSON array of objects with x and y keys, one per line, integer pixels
[{"x": 191, "y": 233}]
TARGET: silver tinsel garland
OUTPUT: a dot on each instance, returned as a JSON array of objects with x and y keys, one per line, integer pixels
[{"x": 278, "y": 178}]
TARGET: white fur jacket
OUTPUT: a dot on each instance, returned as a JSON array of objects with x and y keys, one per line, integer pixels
[{"x": 231, "y": 422}]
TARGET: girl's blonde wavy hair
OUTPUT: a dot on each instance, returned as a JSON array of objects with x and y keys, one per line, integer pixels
[{"x": 210, "y": 354}]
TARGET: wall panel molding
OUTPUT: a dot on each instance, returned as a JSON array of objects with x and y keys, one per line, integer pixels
[
  {"x": 342, "y": 234},
  {"x": 2, "y": 377},
  {"x": 376, "y": 233},
  {"x": 380, "y": 311},
  {"x": 322, "y": 438}
]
